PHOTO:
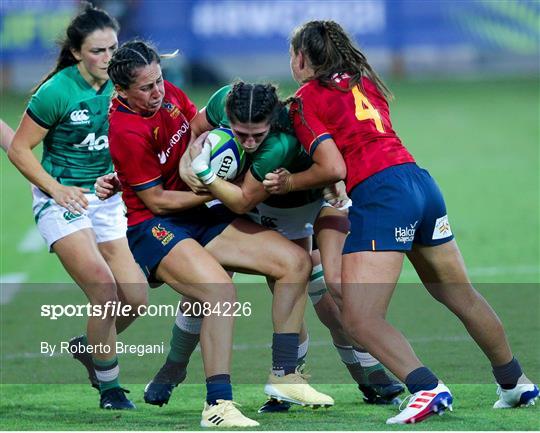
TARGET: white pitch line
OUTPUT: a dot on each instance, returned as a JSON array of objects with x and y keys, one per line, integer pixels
[
  {"x": 247, "y": 347},
  {"x": 32, "y": 242},
  {"x": 10, "y": 284}
]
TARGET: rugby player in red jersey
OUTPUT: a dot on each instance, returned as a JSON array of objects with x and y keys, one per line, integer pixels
[
  {"x": 177, "y": 239},
  {"x": 341, "y": 117}
]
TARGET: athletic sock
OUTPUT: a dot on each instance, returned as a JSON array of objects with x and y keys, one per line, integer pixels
[
  {"x": 185, "y": 337},
  {"x": 317, "y": 285},
  {"x": 284, "y": 353},
  {"x": 302, "y": 352},
  {"x": 373, "y": 369},
  {"x": 507, "y": 375},
  {"x": 218, "y": 387},
  {"x": 421, "y": 379},
  {"x": 351, "y": 361},
  {"x": 107, "y": 373}
]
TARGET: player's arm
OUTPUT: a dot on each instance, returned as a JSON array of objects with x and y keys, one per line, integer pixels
[
  {"x": 239, "y": 198},
  {"x": 6, "y": 135},
  {"x": 328, "y": 167},
  {"x": 28, "y": 135},
  {"x": 199, "y": 125},
  {"x": 163, "y": 202}
]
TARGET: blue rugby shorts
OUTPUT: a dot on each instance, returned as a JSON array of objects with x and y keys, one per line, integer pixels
[
  {"x": 392, "y": 209},
  {"x": 151, "y": 240}
]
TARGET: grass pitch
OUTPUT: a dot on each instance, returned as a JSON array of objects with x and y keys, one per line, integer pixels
[{"x": 478, "y": 139}]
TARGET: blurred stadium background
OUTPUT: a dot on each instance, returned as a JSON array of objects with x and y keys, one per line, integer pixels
[
  {"x": 465, "y": 77},
  {"x": 219, "y": 39}
]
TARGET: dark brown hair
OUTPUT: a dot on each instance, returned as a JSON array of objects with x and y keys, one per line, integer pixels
[
  {"x": 247, "y": 103},
  {"x": 330, "y": 50},
  {"x": 131, "y": 56},
  {"x": 88, "y": 20}
]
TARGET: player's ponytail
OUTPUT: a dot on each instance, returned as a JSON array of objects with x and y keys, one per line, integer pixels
[
  {"x": 331, "y": 51},
  {"x": 88, "y": 20}
]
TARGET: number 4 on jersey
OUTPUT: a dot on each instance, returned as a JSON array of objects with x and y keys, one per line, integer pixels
[
  {"x": 364, "y": 109},
  {"x": 92, "y": 143}
]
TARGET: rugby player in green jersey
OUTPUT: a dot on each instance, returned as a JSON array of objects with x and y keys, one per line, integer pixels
[
  {"x": 269, "y": 148},
  {"x": 293, "y": 215},
  {"x": 68, "y": 112},
  {"x": 260, "y": 122}
]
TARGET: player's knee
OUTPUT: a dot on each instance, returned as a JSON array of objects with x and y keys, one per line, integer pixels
[
  {"x": 219, "y": 293},
  {"x": 292, "y": 265},
  {"x": 297, "y": 263},
  {"x": 361, "y": 326},
  {"x": 104, "y": 294}
]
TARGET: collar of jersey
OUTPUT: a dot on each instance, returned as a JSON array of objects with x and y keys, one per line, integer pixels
[{"x": 124, "y": 107}]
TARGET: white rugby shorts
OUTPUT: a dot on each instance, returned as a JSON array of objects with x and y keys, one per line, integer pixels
[
  {"x": 293, "y": 223},
  {"x": 106, "y": 218}
]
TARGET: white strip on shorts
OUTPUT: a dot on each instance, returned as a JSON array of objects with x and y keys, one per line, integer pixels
[
  {"x": 346, "y": 206},
  {"x": 106, "y": 218}
]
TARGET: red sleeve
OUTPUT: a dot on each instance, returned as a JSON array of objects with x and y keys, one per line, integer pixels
[
  {"x": 189, "y": 109},
  {"x": 308, "y": 125},
  {"x": 135, "y": 161}
]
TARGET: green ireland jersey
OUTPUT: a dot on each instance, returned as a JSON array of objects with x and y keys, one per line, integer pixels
[
  {"x": 279, "y": 149},
  {"x": 76, "y": 148}
]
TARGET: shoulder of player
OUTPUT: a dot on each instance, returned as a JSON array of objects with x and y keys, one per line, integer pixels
[
  {"x": 59, "y": 86},
  {"x": 215, "y": 107},
  {"x": 126, "y": 122},
  {"x": 312, "y": 86},
  {"x": 278, "y": 145}
]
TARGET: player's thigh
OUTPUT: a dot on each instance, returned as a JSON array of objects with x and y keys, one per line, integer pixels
[
  {"x": 132, "y": 284},
  {"x": 120, "y": 259},
  {"x": 442, "y": 270},
  {"x": 246, "y": 246},
  {"x": 193, "y": 271},
  {"x": 82, "y": 259},
  {"x": 368, "y": 281}
]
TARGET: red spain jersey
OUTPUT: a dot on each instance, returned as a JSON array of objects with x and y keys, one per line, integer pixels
[
  {"x": 357, "y": 120},
  {"x": 146, "y": 151}
]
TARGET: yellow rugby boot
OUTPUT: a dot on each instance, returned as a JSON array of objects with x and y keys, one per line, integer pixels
[
  {"x": 294, "y": 388},
  {"x": 225, "y": 414}
]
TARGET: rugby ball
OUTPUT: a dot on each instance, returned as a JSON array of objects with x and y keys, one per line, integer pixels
[{"x": 227, "y": 158}]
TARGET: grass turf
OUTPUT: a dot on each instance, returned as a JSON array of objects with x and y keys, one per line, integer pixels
[{"x": 478, "y": 139}]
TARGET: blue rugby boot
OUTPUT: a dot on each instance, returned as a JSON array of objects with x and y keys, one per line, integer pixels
[
  {"x": 84, "y": 358},
  {"x": 382, "y": 394},
  {"x": 115, "y": 399},
  {"x": 274, "y": 405},
  {"x": 160, "y": 388},
  {"x": 523, "y": 394}
]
